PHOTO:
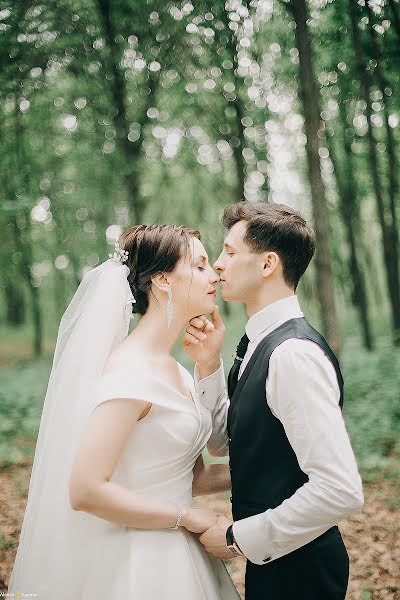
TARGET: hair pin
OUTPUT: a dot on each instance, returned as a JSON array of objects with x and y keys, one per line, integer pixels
[{"x": 120, "y": 255}]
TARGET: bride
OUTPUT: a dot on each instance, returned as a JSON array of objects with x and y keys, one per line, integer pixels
[{"x": 109, "y": 510}]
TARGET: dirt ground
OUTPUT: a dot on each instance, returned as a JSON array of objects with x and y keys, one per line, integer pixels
[{"x": 372, "y": 537}]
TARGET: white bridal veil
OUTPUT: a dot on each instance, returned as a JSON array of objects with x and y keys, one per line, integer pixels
[{"x": 55, "y": 539}]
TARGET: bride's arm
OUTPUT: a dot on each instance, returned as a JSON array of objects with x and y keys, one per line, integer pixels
[
  {"x": 90, "y": 488},
  {"x": 210, "y": 479}
]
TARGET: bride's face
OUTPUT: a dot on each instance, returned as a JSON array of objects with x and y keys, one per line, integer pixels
[{"x": 194, "y": 281}]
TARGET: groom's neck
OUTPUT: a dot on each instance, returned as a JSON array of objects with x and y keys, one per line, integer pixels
[{"x": 267, "y": 296}]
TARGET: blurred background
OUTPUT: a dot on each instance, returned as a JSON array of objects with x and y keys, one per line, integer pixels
[{"x": 119, "y": 112}]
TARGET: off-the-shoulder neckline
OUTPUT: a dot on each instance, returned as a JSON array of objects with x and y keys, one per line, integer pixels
[{"x": 124, "y": 369}]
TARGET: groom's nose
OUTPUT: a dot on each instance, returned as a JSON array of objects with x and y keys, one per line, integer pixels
[{"x": 218, "y": 265}]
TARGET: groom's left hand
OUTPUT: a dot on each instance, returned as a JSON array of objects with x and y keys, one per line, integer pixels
[{"x": 214, "y": 539}]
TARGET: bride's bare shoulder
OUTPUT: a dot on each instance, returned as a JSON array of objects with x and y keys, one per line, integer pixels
[{"x": 123, "y": 357}]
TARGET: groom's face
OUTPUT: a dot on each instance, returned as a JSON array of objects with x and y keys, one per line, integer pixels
[{"x": 238, "y": 267}]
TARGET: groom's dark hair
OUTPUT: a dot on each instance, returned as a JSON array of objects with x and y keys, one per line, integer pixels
[{"x": 275, "y": 228}]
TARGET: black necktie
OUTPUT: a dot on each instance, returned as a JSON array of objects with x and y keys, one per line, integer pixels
[{"x": 234, "y": 372}]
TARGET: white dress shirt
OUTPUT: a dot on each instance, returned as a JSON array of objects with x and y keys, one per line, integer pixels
[{"x": 303, "y": 393}]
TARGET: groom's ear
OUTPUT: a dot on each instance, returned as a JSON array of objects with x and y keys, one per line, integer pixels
[
  {"x": 160, "y": 281},
  {"x": 270, "y": 262}
]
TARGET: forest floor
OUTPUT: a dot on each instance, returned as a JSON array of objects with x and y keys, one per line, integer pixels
[{"x": 372, "y": 537}]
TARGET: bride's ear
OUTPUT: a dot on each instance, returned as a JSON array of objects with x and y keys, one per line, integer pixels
[{"x": 160, "y": 282}]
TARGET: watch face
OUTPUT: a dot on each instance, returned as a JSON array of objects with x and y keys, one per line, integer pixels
[{"x": 229, "y": 536}]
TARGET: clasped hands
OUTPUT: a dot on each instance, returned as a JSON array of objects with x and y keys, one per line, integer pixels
[
  {"x": 211, "y": 528},
  {"x": 214, "y": 538}
]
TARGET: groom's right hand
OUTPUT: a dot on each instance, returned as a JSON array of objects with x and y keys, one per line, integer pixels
[{"x": 203, "y": 342}]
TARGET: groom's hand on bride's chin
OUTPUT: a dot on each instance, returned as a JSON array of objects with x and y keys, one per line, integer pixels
[
  {"x": 214, "y": 539},
  {"x": 203, "y": 341}
]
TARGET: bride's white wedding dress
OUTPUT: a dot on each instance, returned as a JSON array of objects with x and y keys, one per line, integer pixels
[
  {"x": 66, "y": 554},
  {"x": 157, "y": 461}
]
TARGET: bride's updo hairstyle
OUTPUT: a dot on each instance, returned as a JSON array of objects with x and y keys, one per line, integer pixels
[{"x": 153, "y": 249}]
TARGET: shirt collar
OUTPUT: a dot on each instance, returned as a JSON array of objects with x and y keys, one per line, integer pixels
[{"x": 273, "y": 314}]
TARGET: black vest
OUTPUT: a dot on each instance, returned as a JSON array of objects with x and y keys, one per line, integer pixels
[{"x": 264, "y": 467}]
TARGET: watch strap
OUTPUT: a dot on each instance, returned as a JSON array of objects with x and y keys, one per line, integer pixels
[{"x": 231, "y": 542}]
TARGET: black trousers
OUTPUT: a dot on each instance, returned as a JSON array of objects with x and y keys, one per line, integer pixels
[{"x": 317, "y": 571}]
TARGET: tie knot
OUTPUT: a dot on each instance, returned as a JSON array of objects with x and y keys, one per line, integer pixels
[{"x": 242, "y": 347}]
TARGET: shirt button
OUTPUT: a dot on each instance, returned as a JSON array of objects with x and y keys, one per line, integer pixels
[{"x": 267, "y": 559}]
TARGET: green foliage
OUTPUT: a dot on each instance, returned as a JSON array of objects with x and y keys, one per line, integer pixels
[
  {"x": 372, "y": 407},
  {"x": 22, "y": 391}
]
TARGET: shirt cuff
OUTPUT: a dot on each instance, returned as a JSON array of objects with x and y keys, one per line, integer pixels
[
  {"x": 253, "y": 536},
  {"x": 250, "y": 536},
  {"x": 210, "y": 388}
]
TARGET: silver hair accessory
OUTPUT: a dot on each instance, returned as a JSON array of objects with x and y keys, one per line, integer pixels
[
  {"x": 170, "y": 307},
  {"x": 120, "y": 255}
]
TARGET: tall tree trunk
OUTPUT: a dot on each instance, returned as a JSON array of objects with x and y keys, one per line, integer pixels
[
  {"x": 389, "y": 244},
  {"x": 130, "y": 150},
  {"x": 261, "y": 152},
  {"x": 15, "y": 303},
  {"x": 238, "y": 150},
  {"x": 22, "y": 239},
  {"x": 312, "y": 121},
  {"x": 395, "y": 16},
  {"x": 383, "y": 85},
  {"x": 393, "y": 165},
  {"x": 240, "y": 109},
  {"x": 347, "y": 192},
  {"x": 239, "y": 112},
  {"x": 21, "y": 225}
]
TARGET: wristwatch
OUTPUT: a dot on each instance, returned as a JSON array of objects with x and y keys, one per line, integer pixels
[{"x": 231, "y": 542}]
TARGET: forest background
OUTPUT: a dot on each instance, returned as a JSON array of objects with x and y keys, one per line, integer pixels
[{"x": 116, "y": 113}]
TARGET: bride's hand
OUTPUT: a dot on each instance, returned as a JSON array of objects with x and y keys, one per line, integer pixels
[{"x": 198, "y": 520}]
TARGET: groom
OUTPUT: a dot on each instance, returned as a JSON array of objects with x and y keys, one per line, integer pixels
[{"x": 293, "y": 472}]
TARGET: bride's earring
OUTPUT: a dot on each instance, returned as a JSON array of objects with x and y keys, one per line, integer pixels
[{"x": 170, "y": 307}]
